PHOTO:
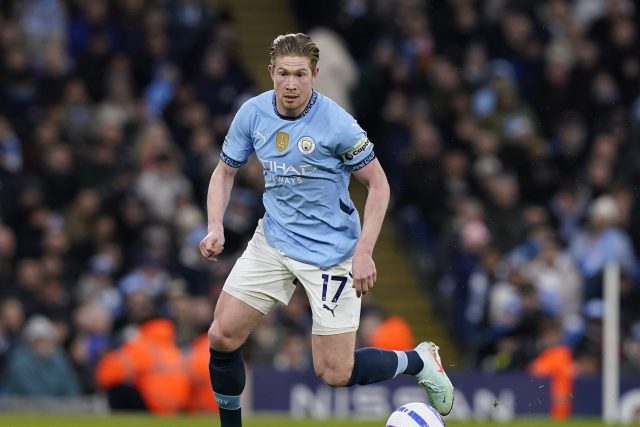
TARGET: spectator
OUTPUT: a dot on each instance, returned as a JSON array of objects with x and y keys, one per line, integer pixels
[
  {"x": 7, "y": 256},
  {"x": 43, "y": 22},
  {"x": 338, "y": 69},
  {"x": 93, "y": 327},
  {"x": 422, "y": 191},
  {"x": 11, "y": 324},
  {"x": 394, "y": 333},
  {"x": 148, "y": 277},
  {"x": 38, "y": 366},
  {"x": 147, "y": 372},
  {"x": 601, "y": 243},
  {"x": 556, "y": 362},
  {"x": 10, "y": 148},
  {"x": 201, "y": 398},
  {"x": 558, "y": 282}
]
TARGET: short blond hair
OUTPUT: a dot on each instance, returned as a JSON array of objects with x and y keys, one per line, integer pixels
[{"x": 298, "y": 44}]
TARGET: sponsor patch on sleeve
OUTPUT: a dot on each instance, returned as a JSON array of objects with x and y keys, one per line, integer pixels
[{"x": 361, "y": 147}]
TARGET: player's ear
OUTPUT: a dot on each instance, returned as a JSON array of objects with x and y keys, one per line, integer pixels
[
  {"x": 314, "y": 74},
  {"x": 270, "y": 68}
]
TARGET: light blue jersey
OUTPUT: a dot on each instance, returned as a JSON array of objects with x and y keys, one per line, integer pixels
[{"x": 307, "y": 162}]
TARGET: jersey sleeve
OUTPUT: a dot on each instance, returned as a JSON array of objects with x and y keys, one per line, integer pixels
[
  {"x": 238, "y": 144},
  {"x": 354, "y": 147}
]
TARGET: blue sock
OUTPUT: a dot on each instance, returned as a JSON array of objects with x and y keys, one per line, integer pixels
[
  {"x": 226, "y": 370},
  {"x": 414, "y": 363},
  {"x": 372, "y": 365}
]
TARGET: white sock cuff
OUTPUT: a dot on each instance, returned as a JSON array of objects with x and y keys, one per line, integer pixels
[
  {"x": 403, "y": 361},
  {"x": 227, "y": 402}
]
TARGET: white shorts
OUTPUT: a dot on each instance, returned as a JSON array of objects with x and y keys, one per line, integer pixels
[{"x": 263, "y": 276}]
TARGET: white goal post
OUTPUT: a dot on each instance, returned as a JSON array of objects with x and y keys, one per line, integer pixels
[{"x": 611, "y": 344}]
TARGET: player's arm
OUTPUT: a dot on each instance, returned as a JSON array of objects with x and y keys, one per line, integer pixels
[
  {"x": 236, "y": 149},
  {"x": 363, "y": 268},
  {"x": 218, "y": 195}
]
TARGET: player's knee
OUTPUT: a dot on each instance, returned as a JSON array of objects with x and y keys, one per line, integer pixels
[
  {"x": 222, "y": 340},
  {"x": 334, "y": 376}
]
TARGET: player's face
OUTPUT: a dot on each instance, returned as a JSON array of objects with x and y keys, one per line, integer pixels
[{"x": 292, "y": 80}]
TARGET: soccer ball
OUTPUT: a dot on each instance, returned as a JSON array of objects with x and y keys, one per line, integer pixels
[{"x": 415, "y": 414}]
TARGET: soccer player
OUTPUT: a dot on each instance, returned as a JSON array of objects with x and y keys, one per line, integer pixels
[{"x": 310, "y": 235}]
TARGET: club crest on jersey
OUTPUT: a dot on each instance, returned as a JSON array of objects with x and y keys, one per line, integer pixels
[
  {"x": 282, "y": 141},
  {"x": 306, "y": 145}
]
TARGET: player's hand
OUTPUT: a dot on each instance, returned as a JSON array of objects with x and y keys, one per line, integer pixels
[
  {"x": 213, "y": 243},
  {"x": 364, "y": 273}
]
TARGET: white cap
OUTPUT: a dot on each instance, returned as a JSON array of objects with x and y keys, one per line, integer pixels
[
  {"x": 37, "y": 327},
  {"x": 605, "y": 208}
]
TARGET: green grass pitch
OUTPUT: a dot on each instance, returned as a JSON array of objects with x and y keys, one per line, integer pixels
[{"x": 253, "y": 421}]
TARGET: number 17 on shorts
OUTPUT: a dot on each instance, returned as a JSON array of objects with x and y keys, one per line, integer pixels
[{"x": 334, "y": 304}]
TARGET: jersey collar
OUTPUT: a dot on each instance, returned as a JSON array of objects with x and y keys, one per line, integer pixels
[{"x": 312, "y": 100}]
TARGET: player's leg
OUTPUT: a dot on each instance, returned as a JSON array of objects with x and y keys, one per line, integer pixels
[
  {"x": 233, "y": 322},
  {"x": 338, "y": 365},
  {"x": 256, "y": 283},
  {"x": 333, "y": 357},
  {"x": 336, "y": 314}
]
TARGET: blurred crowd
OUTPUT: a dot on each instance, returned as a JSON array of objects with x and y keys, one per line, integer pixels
[
  {"x": 112, "y": 114},
  {"x": 509, "y": 132}
]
